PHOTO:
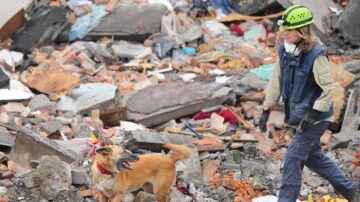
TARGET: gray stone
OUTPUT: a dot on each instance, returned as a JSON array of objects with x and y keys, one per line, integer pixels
[
  {"x": 124, "y": 49},
  {"x": 95, "y": 95},
  {"x": 32, "y": 146},
  {"x": 145, "y": 197},
  {"x": 177, "y": 196},
  {"x": 52, "y": 126},
  {"x": 40, "y": 101},
  {"x": 154, "y": 141},
  {"x": 249, "y": 83},
  {"x": 79, "y": 176},
  {"x": 322, "y": 190},
  {"x": 313, "y": 181},
  {"x": 192, "y": 172},
  {"x": 251, "y": 7},
  {"x": 6, "y": 140},
  {"x": 349, "y": 23},
  {"x": 52, "y": 174},
  {"x": 133, "y": 22},
  {"x": 158, "y": 104}
]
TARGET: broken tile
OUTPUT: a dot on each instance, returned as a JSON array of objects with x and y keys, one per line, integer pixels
[
  {"x": 217, "y": 124},
  {"x": 244, "y": 137},
  {"x": 210, "y": 167},
  {"x": 14, "y": 107},
  {"x": 249, "y": 108},
  {"x": 52, "y": 81}
]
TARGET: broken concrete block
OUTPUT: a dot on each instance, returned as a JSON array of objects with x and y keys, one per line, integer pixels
[
  {"x": 244, "y": 137},
  {"x": 52, "y": 126},
  {"x": 192, "y": 171},
  {"x": 6, "y": 140},
  {"x": 94, "y": 95},
  {"x": 11, "y": 58},
  {"x": 44, "y": 27},
  {"x": 154, "y": 141},
  {"x": 51, "y": 174},
  {"x": 14, "y": 107},
  {"x": 31, "y": 146},
  {"x": 144, "y": 197},
  {"x": 249, "y": 108},
  {"x": 40, "y": 101},
  {"x": 158, "y": 104},
  {"x": 349, "y": 21},
  {"x": 127, "y": 50},
  {"x": 342, "y": 76},
  {"x": 217, "y": 124},
  {"x": 131, "y": 21},
  {"x": 79, "y": 176}
]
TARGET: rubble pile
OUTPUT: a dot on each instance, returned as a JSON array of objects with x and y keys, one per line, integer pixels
[{"x": 147, "y": 73}]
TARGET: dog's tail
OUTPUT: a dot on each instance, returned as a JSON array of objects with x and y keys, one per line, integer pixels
[{"x": 181, "y": 152}]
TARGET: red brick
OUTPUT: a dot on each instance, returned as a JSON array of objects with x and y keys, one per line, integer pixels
[
  {"x": 4, "y": 198},
  {"x": 244, "y": 137},
  {"x": 249, "y": 108},
  {"x": 214, "y": 147}
]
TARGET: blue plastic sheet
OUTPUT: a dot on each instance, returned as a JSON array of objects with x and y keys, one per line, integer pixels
[
  {"x": 87, "y": 22},
  {"x": 264, "y": 71},
  {"x": 227, "y": 6}
]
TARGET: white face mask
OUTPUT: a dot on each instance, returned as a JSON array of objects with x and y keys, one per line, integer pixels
[{"x": 291, "y": 48}]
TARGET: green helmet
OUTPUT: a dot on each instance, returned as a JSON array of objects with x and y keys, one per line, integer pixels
[{"x": 295, "y": 17}]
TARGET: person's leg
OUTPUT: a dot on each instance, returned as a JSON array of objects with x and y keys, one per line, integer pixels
[
  {"x": 327, "y": 169},
  {"x": 296, "y": 155}
]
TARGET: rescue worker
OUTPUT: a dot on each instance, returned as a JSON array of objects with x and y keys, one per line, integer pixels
[{"x": 302, "y": 78}]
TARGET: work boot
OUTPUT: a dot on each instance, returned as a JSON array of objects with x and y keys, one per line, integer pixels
[{"x": 356, "y": 197}]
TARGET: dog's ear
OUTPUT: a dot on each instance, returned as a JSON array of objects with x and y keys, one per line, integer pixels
[{"x": 103, "y": 150}]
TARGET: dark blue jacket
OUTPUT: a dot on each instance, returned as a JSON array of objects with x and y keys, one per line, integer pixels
[{"x": 298, "y": 87}]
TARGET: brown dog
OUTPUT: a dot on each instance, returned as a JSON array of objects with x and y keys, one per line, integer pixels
[{"x": 116, "y": 172}]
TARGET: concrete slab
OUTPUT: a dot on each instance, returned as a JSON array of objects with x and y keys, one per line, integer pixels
[
  {"x": 161, "y": 103},
  {"x": 31, "y": 146},
  {"x": 131, "y": 20}
]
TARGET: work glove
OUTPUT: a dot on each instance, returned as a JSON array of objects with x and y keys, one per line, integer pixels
[
  {"x": 309, "y": 121},
  {"x": 263, "y": 120}
]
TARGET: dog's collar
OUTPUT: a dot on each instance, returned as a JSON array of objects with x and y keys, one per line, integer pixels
[{"x": 103, "y": 170}]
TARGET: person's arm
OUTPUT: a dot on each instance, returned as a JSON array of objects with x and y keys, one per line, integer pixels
[
  {"x": 273, "y": 90},
  {"x": 323, "y": 78}
]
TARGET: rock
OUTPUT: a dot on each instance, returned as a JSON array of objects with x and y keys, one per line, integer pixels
[
  {"x": 153, "y": 141},
  {"x": 144, "y": 197},
  {"x": 51, "y": 175},
  {"x": 79, "y": 176},
  {"x": 252, "y": 7},
  {"x": 6, "y": 140},
  {"x": 95, "y": 95},
  {"x": 348, "y": 22},
  {"x": 313, "y": 181},
  {"x": 40, "y": 101},
  {"x": 14, "y": 107},
  {"x": 158, "y": 104},
  {"x": 131, "y": 22},
  {"x": 31, "y": 146},
  {"x": 322, "y": 190},
  {"x": 192, "y": 172},
  {"x": 52, "y": 126}
]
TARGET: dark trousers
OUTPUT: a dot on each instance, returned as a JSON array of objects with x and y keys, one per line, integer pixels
[{"x": 305, "y": 149}]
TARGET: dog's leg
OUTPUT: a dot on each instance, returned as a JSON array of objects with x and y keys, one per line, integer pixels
[
  {"x": 163, "y": 195},
  {"x": 118, "y": 197},
  {"x": 102, "y": 198}
]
